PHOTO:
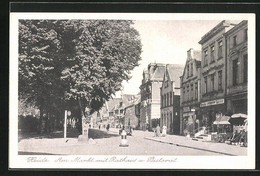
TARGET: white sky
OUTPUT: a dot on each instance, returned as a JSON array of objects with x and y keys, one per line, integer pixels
[{"x": 165, "y": 41}]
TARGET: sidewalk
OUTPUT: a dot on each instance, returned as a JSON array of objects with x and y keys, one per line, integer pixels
[{"x": 218, "y": 148}]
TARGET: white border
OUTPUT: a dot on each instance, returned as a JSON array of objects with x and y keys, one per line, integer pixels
[{"x": 183, "y": 162}]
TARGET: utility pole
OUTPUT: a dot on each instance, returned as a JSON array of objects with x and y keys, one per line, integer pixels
[{"x": 65, "y": 124}]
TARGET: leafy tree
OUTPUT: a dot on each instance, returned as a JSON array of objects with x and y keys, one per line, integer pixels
[{"x": 63, "y": 61}]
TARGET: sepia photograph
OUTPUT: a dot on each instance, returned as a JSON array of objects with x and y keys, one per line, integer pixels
[{"x": 98, "y": 90}]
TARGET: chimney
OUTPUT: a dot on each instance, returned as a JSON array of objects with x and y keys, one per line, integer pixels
[
  {"x": 151, "y": 68},
  {"x": 190, "y": 53}
]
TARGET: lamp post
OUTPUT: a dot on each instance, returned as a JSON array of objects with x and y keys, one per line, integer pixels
[{"x": 67, "y": 113}]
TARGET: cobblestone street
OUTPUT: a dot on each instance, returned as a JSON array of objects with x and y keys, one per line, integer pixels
[{"x": 141, "y": 143}]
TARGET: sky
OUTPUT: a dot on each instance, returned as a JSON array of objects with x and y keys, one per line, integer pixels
[{"x": 167, "y": 42}]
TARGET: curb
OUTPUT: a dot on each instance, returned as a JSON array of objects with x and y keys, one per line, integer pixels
[{"x": 196, "y": 148}]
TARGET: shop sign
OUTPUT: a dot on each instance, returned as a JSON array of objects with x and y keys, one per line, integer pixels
[
  {"x": 213, "y": 102},
  {"x": 188, "y": 113},
  {"x": 186, "y": 109}
]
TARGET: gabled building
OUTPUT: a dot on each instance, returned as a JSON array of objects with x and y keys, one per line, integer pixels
[
  {"x": 190, "y": 93},
  {"x": 213, "y": 74},
  {"x": 150, "y": 95},
  {"x": 170, "y": 98},
  {"x": 106, "y": 114},
  {"x": 132, "y": 115},
  {"x": 119, "y": 109},
  {"x": 237, "y": 68}
]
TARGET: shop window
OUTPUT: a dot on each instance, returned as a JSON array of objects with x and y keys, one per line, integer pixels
[
  {"x": 245, "y": 67},
  {"x": 235, "y": 72}
]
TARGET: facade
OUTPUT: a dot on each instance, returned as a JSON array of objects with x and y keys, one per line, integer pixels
[
  {"x": 105, "y": 115},
  {"x": 237, "y": 69},
  {"x": 190, "y": 82},
  {"x": 150, "y": 95},
  {"x": 170, "y": 98},
  {"x": 119, "y": 110},
  {"x": 132, "y": 115},
  {"x": 213, "y": 74}
]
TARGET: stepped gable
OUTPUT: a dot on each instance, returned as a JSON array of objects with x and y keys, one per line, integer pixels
[{"x": 175, "y": 71}]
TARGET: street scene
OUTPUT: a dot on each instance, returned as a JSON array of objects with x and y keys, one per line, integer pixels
[{"x": 110, "y": 87}]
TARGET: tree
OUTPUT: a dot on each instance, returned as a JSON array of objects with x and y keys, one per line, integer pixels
[{"x": 82, "y": 60}]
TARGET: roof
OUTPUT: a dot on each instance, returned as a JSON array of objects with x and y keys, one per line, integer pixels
[
  {"x": 175, "y": 71},
  {"x": 219, "y": 27},
  {"x": 159, "y": 72},
  {"x": 244, "y": 22},
  {"x": 112, "y": 103},
  {"x": 134, "y": 100}
]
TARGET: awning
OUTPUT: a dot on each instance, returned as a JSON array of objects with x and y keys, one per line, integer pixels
[{"x": 222, "y": 121}]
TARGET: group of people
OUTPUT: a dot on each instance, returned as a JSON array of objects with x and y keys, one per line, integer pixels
[{"x": 72, "y": 122}]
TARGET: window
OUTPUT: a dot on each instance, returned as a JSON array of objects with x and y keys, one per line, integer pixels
[
  {"x": 196, "y": 90},
  {"x": 191, "y": 87},
  {"x": 171, "y": 98},
  {"x": 184, "y": 93},
  {"x": 206, "y": 84},
  {"x": 220, "y": 46},
  {"x": 235, "y": 72},
  {"x": 161, "y": 101},
  {"x": 188, "y": 71},
  {"x": 191, "y": 69},
  {"x": 188, "y": 94},
  {"x": 164, "y": 100},
  {"x": 235, "y": 41},
  {"x": 212, "y": 78},
  {"x": 245, "y": 67},
  {"x": 205, "y": 57},
  {"x": 220, "y": 80},
  {"x": 167, "y": 99},
  {"x": 245, "y": 34},
  {"x": 212, "y": 53}
]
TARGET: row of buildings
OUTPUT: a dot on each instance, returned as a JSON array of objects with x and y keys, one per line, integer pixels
[{"x": 212, "y": 83}]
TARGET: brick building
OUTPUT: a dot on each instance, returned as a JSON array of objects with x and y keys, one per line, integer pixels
[
  {"x": 190, "y": 93},
  {"x": 237, "y": 68},
  {"x": 132, "y": 115},
  {"x": 150, "y": 95},
  {"x": 170, "y": 98},
  {"x": 213, "y": 73}
]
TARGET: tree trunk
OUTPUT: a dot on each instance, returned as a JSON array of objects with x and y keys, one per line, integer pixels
[{"x": 83, "y": 119}]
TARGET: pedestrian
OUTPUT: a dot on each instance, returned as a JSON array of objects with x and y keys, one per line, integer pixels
[
  {"x": 108, "y": 127},
  {"x": 99, "y": 126},
  {"x": 158, "y": 131}
]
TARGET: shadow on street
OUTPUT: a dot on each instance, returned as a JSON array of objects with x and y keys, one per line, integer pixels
[
  {"x": 71, "y": 133},
  {"x": 98, "y": 134}
]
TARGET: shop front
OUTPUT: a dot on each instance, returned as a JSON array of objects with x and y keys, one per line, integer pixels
[
  {"x": 211, "y": 111},
  {"x": 190, "y": 120}
]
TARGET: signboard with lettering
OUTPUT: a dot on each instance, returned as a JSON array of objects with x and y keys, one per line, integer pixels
[
  {"x": 213, "y": 102},
  {"x": 186, "y": 109}
]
